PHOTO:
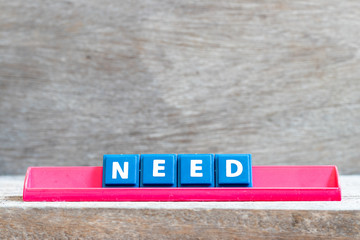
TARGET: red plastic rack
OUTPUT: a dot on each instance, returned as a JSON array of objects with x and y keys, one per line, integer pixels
[{"x": 270, "y": 183}]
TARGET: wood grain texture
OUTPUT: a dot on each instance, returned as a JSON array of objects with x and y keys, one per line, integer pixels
[
  {"x": 179, "y": 220},
  {"x": 278, "y": 79},
  {"x": 176, "y": 224}
]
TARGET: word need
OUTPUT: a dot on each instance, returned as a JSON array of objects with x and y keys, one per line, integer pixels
[{"x": 177, "y": 170}]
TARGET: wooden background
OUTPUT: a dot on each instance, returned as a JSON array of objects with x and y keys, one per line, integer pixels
[{"x": 83, "y": 78}]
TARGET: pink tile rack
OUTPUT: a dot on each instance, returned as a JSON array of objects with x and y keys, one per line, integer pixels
[{"x": 270, "y": 183}]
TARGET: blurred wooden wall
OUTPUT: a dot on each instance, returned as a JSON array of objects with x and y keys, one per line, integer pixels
[{"x": 83, "y": 78}]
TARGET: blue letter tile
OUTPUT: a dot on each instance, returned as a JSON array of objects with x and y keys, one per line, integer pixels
[
  {"x": 158, "y": 170},
  {"x": 121, "y": 170},
  {"x": 233, "y": 170},
  {"x": 196, "y": 170}
]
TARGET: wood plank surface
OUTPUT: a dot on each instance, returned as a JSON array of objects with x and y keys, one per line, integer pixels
[
  {"x": 179, "y": 220},
  {"x": 83, "y": 78}
]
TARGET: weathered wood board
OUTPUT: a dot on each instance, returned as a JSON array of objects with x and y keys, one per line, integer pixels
[{"x": 81, "y": 78}]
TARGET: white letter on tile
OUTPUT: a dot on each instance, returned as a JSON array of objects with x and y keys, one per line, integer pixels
[
  {"x": 157, "y": 168},
  {"x": 194, "y": 166},
  {"x": 228, "y": 168},
  {"x": 117, "y": 169}
]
